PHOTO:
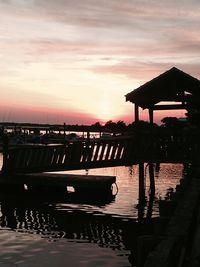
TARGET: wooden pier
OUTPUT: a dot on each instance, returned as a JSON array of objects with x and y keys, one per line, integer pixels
[
  {"x": 116, "y": 151},
  {"x": 21, "y": 162}
]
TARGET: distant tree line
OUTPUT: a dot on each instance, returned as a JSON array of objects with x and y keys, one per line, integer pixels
[
  {"x": 121, "y": 126},
  {"x": 111, "y": 126}
]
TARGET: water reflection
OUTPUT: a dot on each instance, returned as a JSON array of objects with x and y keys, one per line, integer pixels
[
  {"x": 53, "y": 223},
  {"x": 113, "y": 223},
  {"x": 125, "y": 204}
]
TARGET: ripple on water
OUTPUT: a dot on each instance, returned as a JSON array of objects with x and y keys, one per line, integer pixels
[{"x": 80, "y": 234}]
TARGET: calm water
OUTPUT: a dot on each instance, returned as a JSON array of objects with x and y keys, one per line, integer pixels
[{"x": 81, "y": 232}]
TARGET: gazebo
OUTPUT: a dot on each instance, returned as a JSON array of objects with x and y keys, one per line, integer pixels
[{"x": 174, "y": 88}]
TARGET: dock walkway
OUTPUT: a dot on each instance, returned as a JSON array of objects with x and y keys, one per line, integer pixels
[
  {"x": 99, "y": 153},
  {"x": 22, "y": 161}
]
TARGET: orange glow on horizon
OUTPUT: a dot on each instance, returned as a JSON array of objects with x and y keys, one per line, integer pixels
[
  {"x": 59, "y": 116},
  {"x": 105, "y": 110}
]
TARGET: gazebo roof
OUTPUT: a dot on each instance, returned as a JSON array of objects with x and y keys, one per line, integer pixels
[{"x": 173, "y": 85}]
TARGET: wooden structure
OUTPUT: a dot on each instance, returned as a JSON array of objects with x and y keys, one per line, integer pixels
[
  {"x": 22, "y": 161},
  {"x": 157, "y": 146},
  {"x": 57, "y": 183},
  {"x": 177, "y": 88}
]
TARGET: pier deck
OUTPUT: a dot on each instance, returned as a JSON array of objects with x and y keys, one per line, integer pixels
[{"x": 99, "y": 153}]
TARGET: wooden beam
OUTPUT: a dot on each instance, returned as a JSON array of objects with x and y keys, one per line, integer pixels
[
  {"x": 169, "y": 107},
  {"x": 151, "y": 116},
  {"x": 136, "y": 112},
  {"x": 151, "y": 177},
  {"x": 141, "y": 183}
]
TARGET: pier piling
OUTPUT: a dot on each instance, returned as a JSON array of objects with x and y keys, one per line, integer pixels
[
  {"x": 141, "y": 183},
  {"x": 151, "y": 176}
]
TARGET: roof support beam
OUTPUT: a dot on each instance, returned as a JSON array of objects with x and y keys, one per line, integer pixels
[
  {"x": 151, "y": 116},
  {"x": 168, "y": 107}
]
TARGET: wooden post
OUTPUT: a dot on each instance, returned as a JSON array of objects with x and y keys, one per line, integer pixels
[
  {"x": 157, "y": 167},
  {"x": 136, "y": 113},
  {"x": 150, "y": 206},
  {"x": 141, "y": 182},
  {"x": 24, "y": 135},
  {"x": 151, "y": 177},
  {"x": 141, "y": 204},
  {"x": 64, "y": 129},
  {"x": 88, "y": 136},
  {"x": 5, "y": 150},
  {"x": 151, "y": 116}
]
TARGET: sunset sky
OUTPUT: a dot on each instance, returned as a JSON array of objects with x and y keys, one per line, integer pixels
[{"x": 74, "y": 60}]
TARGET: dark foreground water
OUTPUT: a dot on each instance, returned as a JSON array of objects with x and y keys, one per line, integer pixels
[{"x": 74, "y": 231}]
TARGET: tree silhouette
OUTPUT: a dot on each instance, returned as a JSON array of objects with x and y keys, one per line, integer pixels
[
  {"x": 193, "y": 117},
  {"x": 110, "y": 125},
  {"x": 169, "y": 122},
  {"x": 97, "y": 124},
  {"x": 119, "y": 126},
  {"x": 173, "y": 123}
]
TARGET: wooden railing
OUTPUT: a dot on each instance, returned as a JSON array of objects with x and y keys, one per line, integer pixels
[{"x": 116, "y": 151}]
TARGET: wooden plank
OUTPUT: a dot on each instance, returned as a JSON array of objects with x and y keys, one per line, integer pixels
[
  {"x": 34, "y": 158},
  {"x": 103, "y": 146},
  {"x": 84, "y": 151},
  {"x": 128, "y": 150},
  {"x": 56, "y": 155},
  {"x": 119, "y": 152},
  {"x": 23, "y": 159},
  {"x": 100, "y": 151},
  {"x": 18, "y": 156},
  {"x": 47, "y": 156},
  {"x": 76, "y": 150},
  {"x": 69, "y": 154},
  {"x": 115, "y": 147},
  {"x": 169, "y": 107},
  {"x": 40, "y": 160},
  {"x": 98, "y": 145},
  {"x": 28, "y": 159},
  {"x": 90, "y": 152},
  {"x": 11, "y": 159},
  {"x": 108, "y": 151},
  {"x": 61, "y": 157}
]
